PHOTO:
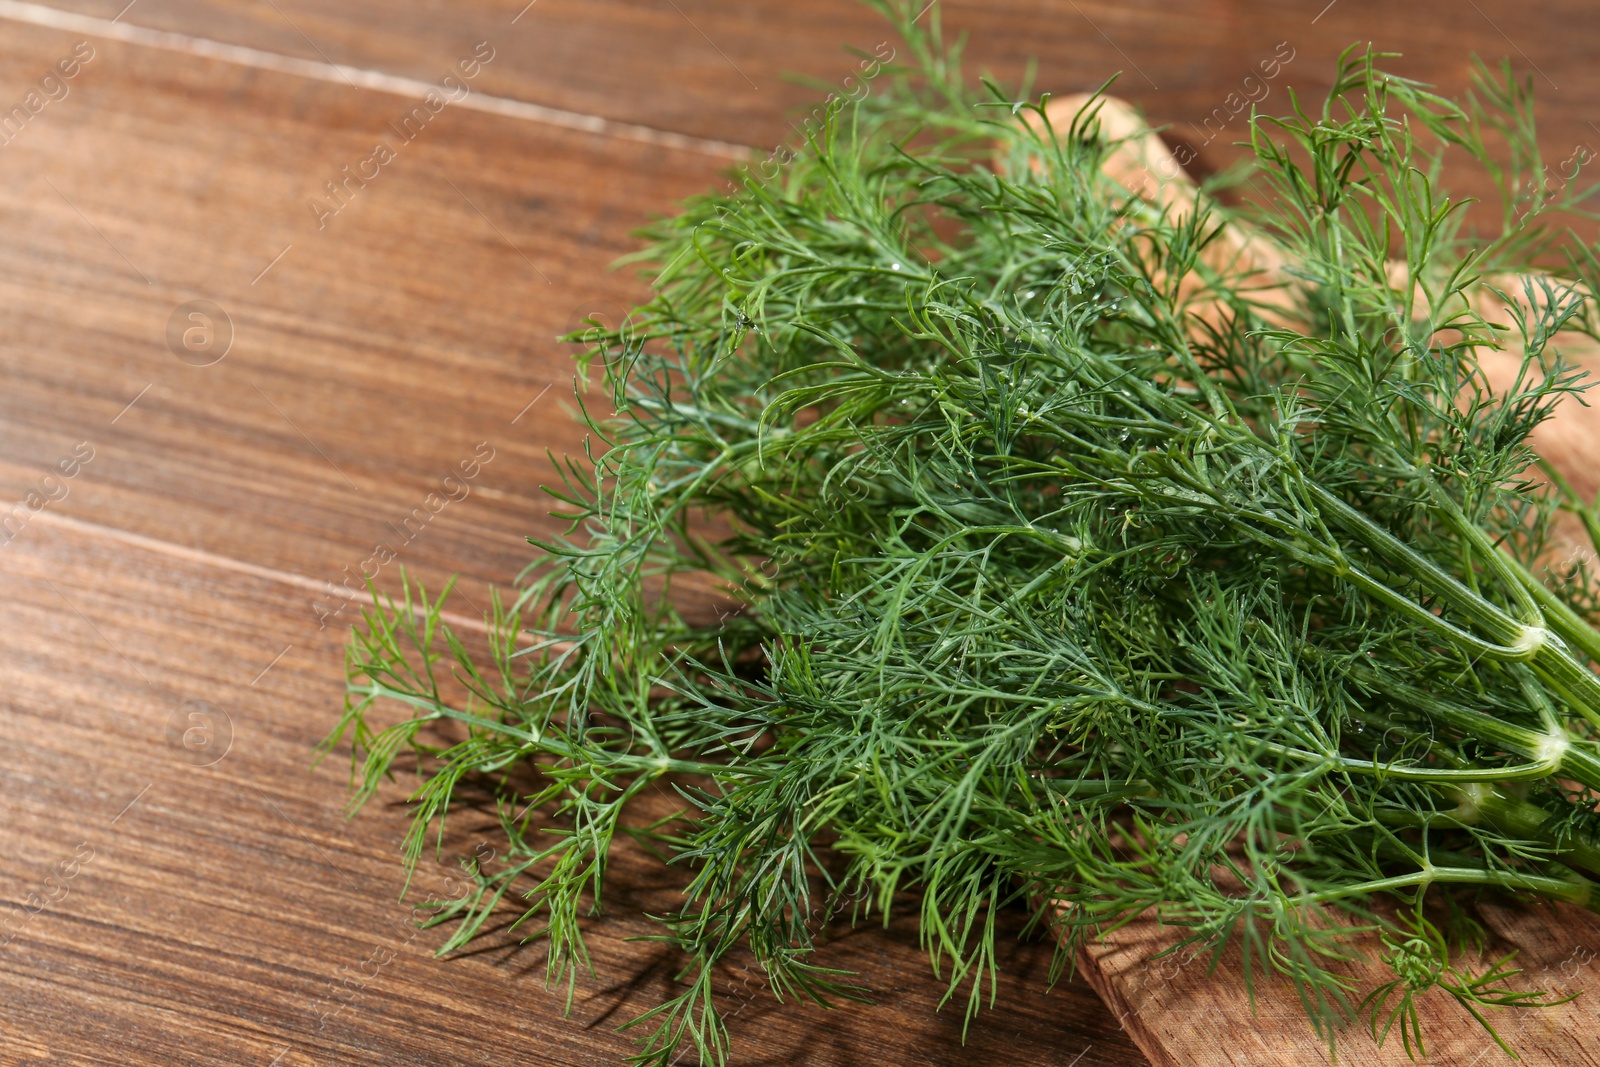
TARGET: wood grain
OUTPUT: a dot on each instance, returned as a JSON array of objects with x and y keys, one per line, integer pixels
[
  {"x": 367, "y": 363},
  {"x": 1181, "y": 1013},
  {"x": 231, "y": 915},
  {"x": 718, "y": 69}
]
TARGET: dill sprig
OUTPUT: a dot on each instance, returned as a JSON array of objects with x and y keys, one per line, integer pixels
[{"x": 1067, "y": 561}]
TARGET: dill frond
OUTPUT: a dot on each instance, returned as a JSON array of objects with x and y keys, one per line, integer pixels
[{"x": 1075, "y": 564}]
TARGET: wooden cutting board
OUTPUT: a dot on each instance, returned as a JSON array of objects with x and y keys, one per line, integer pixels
[
  {"x": 1182, "y": 1016},
  {"x": 1178, "y": 1014},
  {"x": 1179, "y": 1010}
]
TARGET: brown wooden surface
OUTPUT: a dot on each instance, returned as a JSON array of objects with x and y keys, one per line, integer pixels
[
  {"x": 218, "y": 914},
  {"x": 1180, "y": 1013},
  {"x": 717, "y": 69},
  {"x": 217, "y": 917}
]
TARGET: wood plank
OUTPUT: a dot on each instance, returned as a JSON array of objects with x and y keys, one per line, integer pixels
[
  {"x": 231, "y": 915},
  {"x": 333, "y": 356},
  {"x": 310, "y": 443},
  {"x": 1179, "y": 1014},
  {"x": 1182, "y": 1006},
  {"x": 377, "y": 355},
  {"x": 717, "y": 69}
]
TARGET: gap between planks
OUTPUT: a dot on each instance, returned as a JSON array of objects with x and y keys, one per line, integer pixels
[
  {"x": 362, "y": 78},
  {"x": 359, "y": 77},
  {"x": 173, "y": 550}
]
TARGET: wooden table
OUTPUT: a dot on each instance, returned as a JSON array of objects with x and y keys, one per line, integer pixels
[{"x": 177, "y": 897}]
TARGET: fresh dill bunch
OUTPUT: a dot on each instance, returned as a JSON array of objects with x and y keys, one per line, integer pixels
[{"x": 1068, "y": 561}]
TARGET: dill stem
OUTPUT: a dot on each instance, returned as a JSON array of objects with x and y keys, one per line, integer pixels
[
  {"x": 1574, "y": 891},
  {"x": 1509, "y": 638},
  {"x": 1560, "y": 618},
  {"x": 1566, "y": 755},
  {"x": 1521, "y": 819},
  {"x": 1078, "y": 567}
]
